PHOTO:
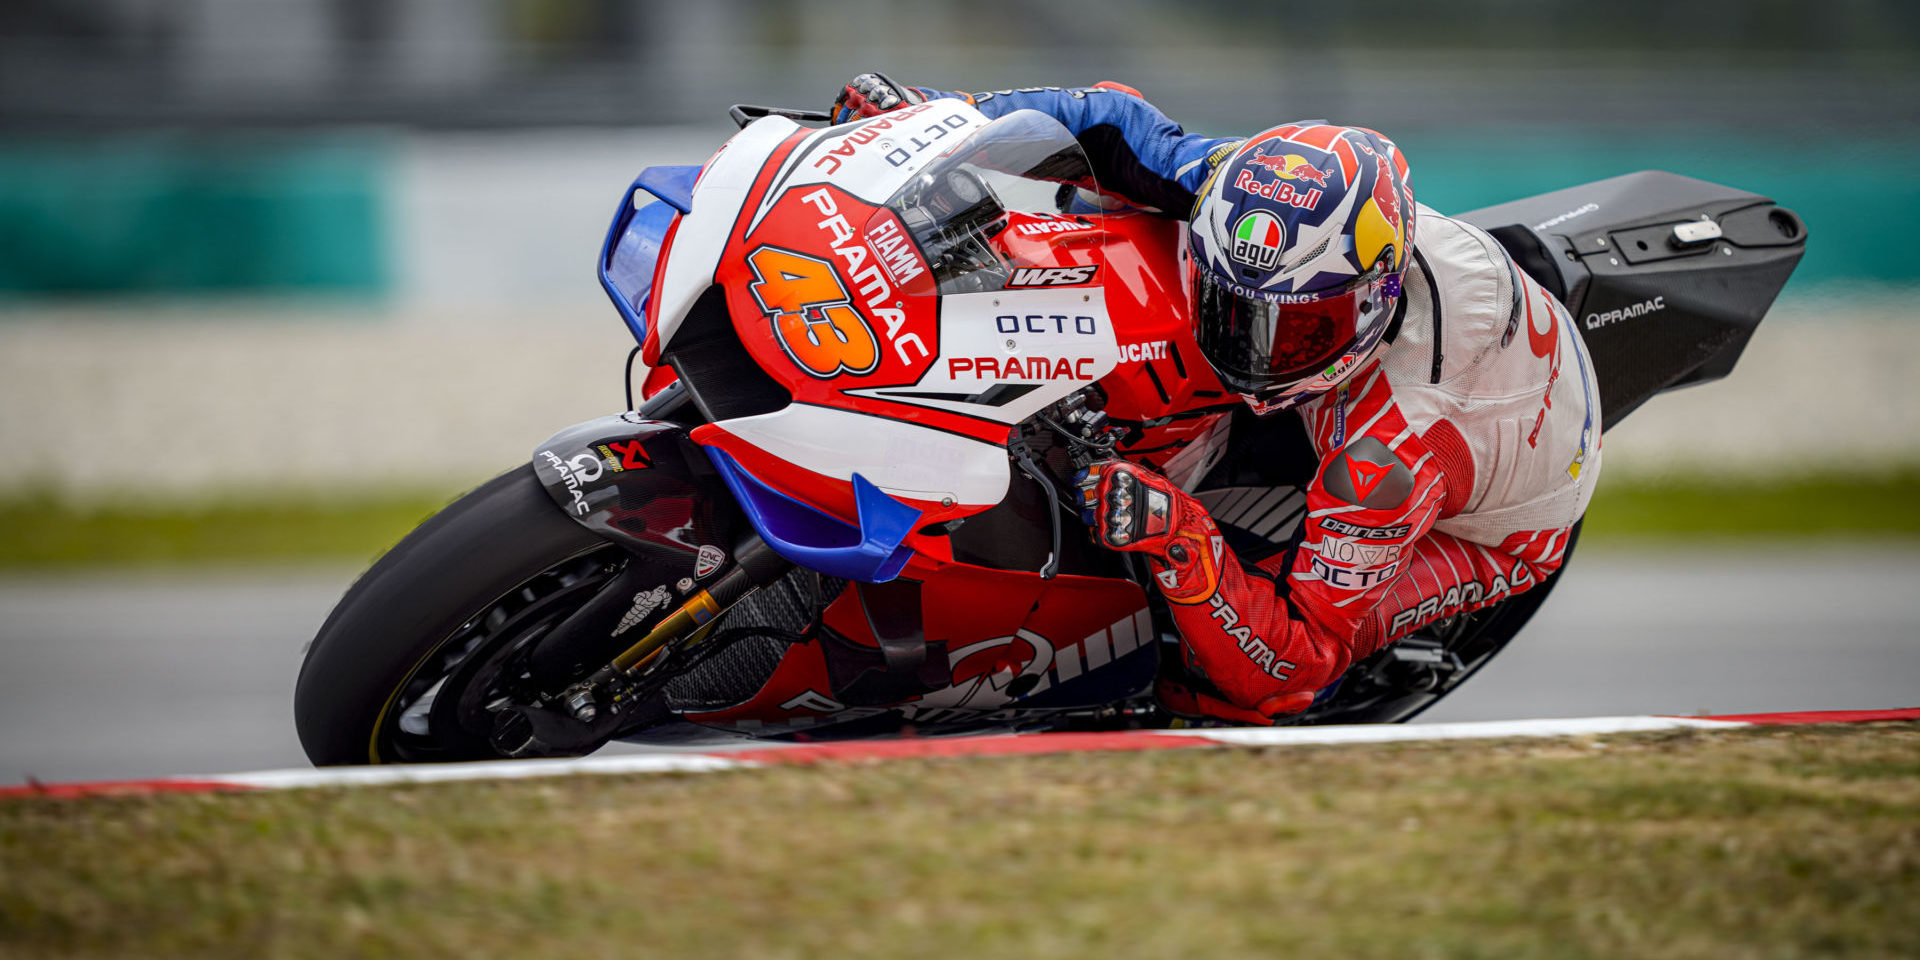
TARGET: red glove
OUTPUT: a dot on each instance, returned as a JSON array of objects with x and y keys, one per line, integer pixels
[
  {"x": 1132, "y": 508},
  {"x": 870, "y": 95}
]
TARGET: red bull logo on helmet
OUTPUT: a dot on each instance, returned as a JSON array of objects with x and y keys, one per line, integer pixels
[
  {"x": 1257, "y": 240},
  {"x": 1278, "y": 190},
  {"x": 1292, "y": 166}
]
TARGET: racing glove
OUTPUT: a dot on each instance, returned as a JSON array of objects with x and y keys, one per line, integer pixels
[
  {"x": 1135, "y": 509},
  {"x": 870, "y": 95}
]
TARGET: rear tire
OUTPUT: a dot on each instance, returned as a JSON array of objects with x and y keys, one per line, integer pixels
[{"x": 501, "y": 547}]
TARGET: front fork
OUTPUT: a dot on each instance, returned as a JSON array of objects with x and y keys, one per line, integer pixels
[{"x": 756, "y": 565}]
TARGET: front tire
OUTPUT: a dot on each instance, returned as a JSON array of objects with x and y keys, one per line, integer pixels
[{"x": 498, "y": 565}]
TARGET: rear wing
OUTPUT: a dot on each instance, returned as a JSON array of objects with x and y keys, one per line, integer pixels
[{"x": 1666, "y": 276}]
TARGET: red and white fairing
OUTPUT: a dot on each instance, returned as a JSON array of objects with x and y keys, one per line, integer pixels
[
  {"x": 785, "y": 211},
  {"x": 782, "y": 213}
]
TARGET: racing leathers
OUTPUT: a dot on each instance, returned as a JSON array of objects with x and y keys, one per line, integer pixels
[{"x": 1452, "y": 466}]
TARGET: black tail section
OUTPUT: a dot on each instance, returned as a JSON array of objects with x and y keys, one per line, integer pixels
[{"x": 1666, "y": 276}]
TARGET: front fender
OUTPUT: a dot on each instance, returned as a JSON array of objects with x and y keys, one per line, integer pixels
[{"x": 644, "y": 485}]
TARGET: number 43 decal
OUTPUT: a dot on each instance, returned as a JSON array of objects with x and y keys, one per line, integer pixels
[{"x": 813, "y": 317}]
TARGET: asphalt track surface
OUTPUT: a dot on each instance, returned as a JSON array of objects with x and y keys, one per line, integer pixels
[{"x": 114, "y": 677}]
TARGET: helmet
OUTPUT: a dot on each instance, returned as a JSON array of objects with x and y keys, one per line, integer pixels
[{"x": 1295, "y": 255}]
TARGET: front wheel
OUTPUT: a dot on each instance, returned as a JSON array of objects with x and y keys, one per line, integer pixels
[{"x": 413, "y": 663}]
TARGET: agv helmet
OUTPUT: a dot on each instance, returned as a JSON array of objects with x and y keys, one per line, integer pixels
[{"x": 1296, "y": 251}]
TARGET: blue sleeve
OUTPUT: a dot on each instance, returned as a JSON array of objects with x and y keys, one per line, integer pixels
[{"x": 1136, "y": 151}]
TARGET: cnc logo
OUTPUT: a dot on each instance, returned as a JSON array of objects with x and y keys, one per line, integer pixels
[{"x": 707, "y": 560}]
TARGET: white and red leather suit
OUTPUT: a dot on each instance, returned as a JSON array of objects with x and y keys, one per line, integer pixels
[{"x": 1451, "y": 467}]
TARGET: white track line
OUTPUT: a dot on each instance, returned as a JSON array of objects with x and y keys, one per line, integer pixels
[
  {"x": 482, "y": 770},
  {"x": 1392, "y": 733},
  {"x": 1003, "y": 744}
]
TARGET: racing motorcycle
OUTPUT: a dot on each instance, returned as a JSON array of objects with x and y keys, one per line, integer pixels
[{"x": 875, "y": 355}]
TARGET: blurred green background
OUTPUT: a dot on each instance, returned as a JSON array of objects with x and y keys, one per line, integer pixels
[
  {"x": 287, "y": 258},
  {"x": 145, "y": 214}
]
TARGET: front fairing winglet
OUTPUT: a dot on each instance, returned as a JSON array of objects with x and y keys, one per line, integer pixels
[
  {"x": 871, "y": 552},
  {"x": 612, "y": 474},
  {"x": 673, "y": 188}
]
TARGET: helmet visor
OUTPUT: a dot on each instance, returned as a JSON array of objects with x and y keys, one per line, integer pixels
[{"x": 1260, "y": 344}]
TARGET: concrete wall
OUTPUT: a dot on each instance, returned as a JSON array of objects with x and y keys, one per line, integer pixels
[{"x": 246, "y": 404}]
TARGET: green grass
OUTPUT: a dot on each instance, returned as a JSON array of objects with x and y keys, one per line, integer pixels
[
  {"x": 1765, "y": 843},
  {"x": 1873, "y": 507},
  {"x": 42, "y": 533}
]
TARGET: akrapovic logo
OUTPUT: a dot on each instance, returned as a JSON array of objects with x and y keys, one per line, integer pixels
[
  {"x": 1051, "y": 276},
  {"x": 1597, "y": 320}
]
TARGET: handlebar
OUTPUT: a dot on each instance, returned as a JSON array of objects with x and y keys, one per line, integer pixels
[{"x": 745, "y": 113}]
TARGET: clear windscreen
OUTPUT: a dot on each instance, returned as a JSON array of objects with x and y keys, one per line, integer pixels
[
  {"x": 961, "y": 205},
  {"x": 637, "y": 250}
]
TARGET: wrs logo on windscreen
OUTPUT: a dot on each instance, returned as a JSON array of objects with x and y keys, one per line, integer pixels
[{"x": 1051, "y": 276}]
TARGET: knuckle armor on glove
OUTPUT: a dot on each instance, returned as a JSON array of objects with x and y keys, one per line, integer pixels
[
  {"x": 870, "y": 95},
  {"x": 1132, "y": 508}
]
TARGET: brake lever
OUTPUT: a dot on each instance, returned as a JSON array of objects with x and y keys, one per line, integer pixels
[{"x": 1023, "y": 456}]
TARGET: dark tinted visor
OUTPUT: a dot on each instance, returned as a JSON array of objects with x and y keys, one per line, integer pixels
[{"x": 1258, "y": 346}]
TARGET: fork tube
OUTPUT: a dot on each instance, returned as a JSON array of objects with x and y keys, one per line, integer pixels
[{"x": 756, "y": 565}]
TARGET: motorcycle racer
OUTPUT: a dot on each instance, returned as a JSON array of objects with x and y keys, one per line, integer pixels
[{"x": 1449, "y": 397}]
